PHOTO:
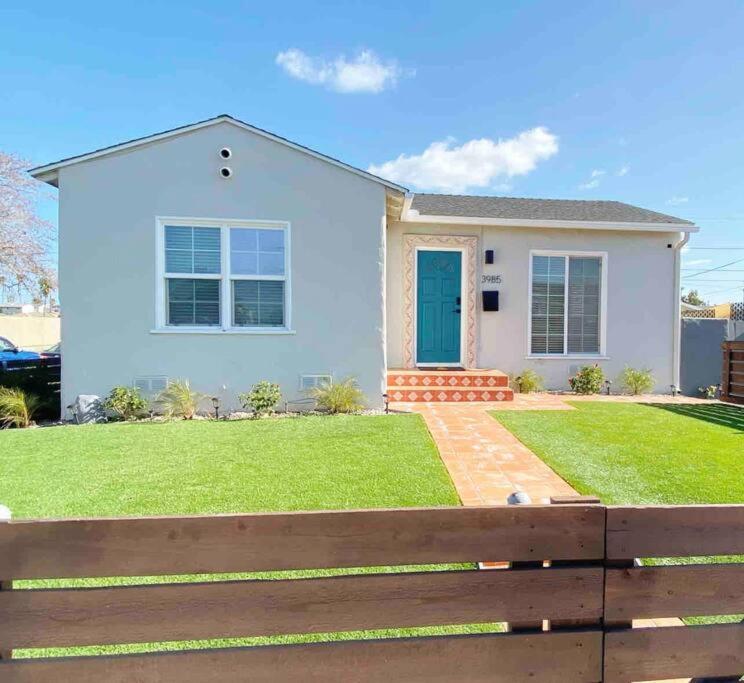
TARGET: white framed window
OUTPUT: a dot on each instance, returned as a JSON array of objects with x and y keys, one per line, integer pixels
[
  {"x": 223, "y": 276},
  {"x": 567, "y": 304}
]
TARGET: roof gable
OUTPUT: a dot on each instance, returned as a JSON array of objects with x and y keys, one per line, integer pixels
[{"x": 48, "y": 172}]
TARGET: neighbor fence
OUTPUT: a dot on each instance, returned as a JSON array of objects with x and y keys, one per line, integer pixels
[
  {"x": 37, "y": 376},
  {"x": 732, "y": 379},
  {"x": 571, "y": 569}
]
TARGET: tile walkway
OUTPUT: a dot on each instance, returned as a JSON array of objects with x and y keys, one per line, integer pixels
[{"x": 487, "y": 462}]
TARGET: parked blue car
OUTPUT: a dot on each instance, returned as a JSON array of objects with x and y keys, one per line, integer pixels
[{"x": 9, "y": 351}]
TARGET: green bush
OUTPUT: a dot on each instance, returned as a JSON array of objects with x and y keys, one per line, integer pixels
[
  {"x": 709, "y": 392},
  {"x": 17, "y": 408},
  {"x": 528, "y": 382},
  {"x": 588, "y": 380},
  {"x": 343, "y": 397},
  {"x": 126, "y": 403},
  {"x": 636, "y": 382},
  {"x": 262, "y": 398},
  {"x": 180, "y": 400}
]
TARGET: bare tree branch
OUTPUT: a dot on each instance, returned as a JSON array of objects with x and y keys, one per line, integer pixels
[{"x": 25, "y": 238}]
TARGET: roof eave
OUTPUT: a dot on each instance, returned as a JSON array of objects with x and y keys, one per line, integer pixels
[
  {"x": 413, "y": 216},
  {"x": 49, "y": 172}
]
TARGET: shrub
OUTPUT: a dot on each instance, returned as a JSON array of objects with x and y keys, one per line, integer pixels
[
  {"x": 709, "y": 391},
  {"x": 636, "y": 381},
  {"x": 343, "y": 397},
  {"x": 262, "y": 398},
  {"x": 17, "y": 408},
  {"x": 588, "y": 380},
  {"x": 180, "y": 400},
  {"x": 125, "y": 402},
  {"x": 528, "y": 382}
]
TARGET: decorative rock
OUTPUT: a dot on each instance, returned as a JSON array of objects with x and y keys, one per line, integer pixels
[
  {"x": 519, "y": 498},
  {"x": 88, "y": 409}
]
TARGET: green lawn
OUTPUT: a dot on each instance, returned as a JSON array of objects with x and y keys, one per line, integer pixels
[
  {"x": 305, "y": 463},
  {"x": 635, "y": 453}
]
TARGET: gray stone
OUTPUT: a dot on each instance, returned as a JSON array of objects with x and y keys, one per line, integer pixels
[{"x": 88, "y": 409}]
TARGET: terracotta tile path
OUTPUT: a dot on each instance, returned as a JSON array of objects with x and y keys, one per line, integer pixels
[{"x": 487, "y": 462}]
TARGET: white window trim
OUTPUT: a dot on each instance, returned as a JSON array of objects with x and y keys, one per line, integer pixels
[
  {"x": 602, "y": 355},
  {"x": 225, "y": 277}
]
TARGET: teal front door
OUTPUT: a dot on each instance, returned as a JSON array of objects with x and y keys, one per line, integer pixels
[{"x": 438, "y": 306}]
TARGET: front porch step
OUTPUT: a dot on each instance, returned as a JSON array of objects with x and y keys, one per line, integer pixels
[
  {"x": 445, "y": 379},
  {"x": 448, "y": 386},
  {"x": 449, "y": 395}
]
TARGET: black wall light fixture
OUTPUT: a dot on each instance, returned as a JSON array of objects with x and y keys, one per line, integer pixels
[{"x": 489, "y": 256}]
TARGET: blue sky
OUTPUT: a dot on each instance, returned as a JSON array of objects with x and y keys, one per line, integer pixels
[{"x": 640, "y": 102}]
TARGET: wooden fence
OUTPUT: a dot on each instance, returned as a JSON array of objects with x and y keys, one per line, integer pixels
[
  {"x": 40, "y": 377},
  {"x": 586, "y": 595},
  {"x": 732, "y": 380}
]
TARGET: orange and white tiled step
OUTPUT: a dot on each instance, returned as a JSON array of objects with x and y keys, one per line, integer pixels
[{"x": 448, "y": 386}]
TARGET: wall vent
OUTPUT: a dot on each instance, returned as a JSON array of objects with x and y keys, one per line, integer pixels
[
  {"x": 312, "y": 381},
  {"x": 151, "y": 385}
]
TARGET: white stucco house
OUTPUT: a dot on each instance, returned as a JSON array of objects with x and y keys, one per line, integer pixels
[{"x": 225, "y": 254}]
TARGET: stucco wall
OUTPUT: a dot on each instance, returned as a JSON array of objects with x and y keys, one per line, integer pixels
[
  {"x": 107, "y": 274},
  {"x": 640, "y": 298}
]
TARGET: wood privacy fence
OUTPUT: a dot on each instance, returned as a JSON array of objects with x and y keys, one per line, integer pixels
[
  {"x": 40, "y": 377},
  {"x": 732, "y": 380},
  {"x": 588, "y": 595}
]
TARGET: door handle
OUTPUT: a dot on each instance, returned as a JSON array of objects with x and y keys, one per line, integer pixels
[{"x": 457, "y": 310}]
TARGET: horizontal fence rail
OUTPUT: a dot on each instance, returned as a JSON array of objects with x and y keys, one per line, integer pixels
[
  {"x": 571, "y": 567},
  {"x": 309, "y": 540}
]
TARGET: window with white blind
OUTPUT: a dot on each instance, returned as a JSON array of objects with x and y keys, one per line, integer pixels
[
  {"x": 223, "y": 276},
  {"x": 566, "y": 304}
]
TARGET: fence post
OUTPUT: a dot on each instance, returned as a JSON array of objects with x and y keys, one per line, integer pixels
[
  {"x": 5, "y": 516},
  {"x": 558, "y": 624},
  {"x": 521, "y": 498}
]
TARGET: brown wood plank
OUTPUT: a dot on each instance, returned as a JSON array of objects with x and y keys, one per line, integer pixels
[
  {"x": 500, "y": 658},
  {"x": 141, "y": 614},
  {"x": 679, "y": 531},
  {"x": 308, "y": 540},
  {"x": 678, "y": 591},
  {"x": 650, "y": 654}
]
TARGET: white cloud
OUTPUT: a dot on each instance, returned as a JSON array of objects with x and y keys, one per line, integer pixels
[
  {"x": 676, "y": 201},
  {"x": 448, "y": 167},
  {"x": 366, "y": 72},
  {"x": 698, "y": 262},
  {"x": 623, "y": 170},
  {"x": 594, "y": 180}
]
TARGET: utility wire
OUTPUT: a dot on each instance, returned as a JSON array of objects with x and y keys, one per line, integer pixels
[{"x": 710, "y": 270}]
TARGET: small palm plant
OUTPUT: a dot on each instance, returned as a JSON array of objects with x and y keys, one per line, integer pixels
[
  {"x": 343, "y": 397},
  {"x": 17, "y": 408},
  {"x": 180, "y": 400}
]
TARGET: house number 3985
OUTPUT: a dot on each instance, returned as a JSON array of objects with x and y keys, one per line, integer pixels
[{"x": 491, "y": 279}]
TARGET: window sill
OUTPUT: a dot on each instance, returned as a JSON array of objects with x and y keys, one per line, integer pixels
[
  {"x": 565, "y": 357},
  {"x": 219, "y": 331}
]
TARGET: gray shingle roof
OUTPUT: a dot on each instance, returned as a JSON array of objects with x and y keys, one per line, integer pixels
[{"x": 515, "y": 208}]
